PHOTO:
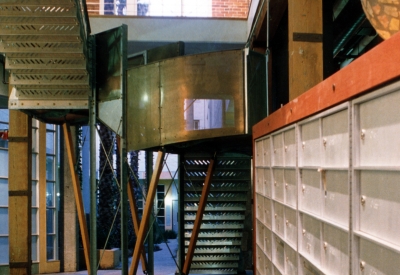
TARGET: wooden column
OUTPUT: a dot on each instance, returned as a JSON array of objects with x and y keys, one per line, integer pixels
[
  {"x": 20, "y": 193},
  {"x": 305, "y": 45},
  {"x": 147, "y": 212},
  {"x": 199, "y": 219},
  {"x": 78, "y": 195}
]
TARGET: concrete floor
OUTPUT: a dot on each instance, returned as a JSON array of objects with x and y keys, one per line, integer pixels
[{"x": 164, "y": 263}]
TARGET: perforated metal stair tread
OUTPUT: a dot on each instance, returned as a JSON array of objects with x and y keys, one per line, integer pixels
[
  {"x": 218, "y": 247},
  {"x": 44, "y": 42}
]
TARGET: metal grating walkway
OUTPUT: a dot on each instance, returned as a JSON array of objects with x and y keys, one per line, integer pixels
[{"x": 45, "y": 42}]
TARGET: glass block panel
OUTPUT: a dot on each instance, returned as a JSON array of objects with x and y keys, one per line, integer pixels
[
  {"x": 34, "y": 221},
  {"x": 4, "y": 258},
  {"x": 4, "y": 221},
  {"x": 50, "y": 143},
  {"x": 50, "y": 194},
  {"x": 50, "y": 167},
  {"x": 3, "y": 192},
  {"x": 4, "y": 163}
]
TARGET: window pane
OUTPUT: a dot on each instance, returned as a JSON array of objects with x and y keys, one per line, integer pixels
[
  {"x": 3, "y": 192},
  {"x": 34, "y": 221},
  {"x": 50, "y": 167},
  {"x": 50, "y": 194},
  {"x": 50, "y": 247},
  {"x": 4, "y": 115},
  {"x": 34, "y": 248},
  {"x": 4, "y": 163},
  {"x": 50, "y": 221},
  {"x": 4, "y": 221},
  {"x": 4, "y": 259},
  {"x": 34, "y": 194},
  {"x": 50, "y": 126},
  {"x": 50, "y": 142}
]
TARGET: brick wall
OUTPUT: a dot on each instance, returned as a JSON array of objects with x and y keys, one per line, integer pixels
[{"x": 230, "y": 8}]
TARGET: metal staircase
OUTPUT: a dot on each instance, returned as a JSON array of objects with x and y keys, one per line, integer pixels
[
  {"x": 45, "y": 44},
  {"x": 223, "y": 236}
]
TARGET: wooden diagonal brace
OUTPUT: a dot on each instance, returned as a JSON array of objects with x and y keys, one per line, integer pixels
[
  {"x": 134, "y": 212},
  {"x": 199, "y": 218},
  {"x": 147, "y": 212},
  {"x": 78, "y": 194}
]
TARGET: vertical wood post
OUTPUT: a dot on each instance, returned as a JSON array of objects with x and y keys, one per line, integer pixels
[
  {"x": 305, "y": 45},
  {"x": 199, "y": 218},
  {"x": 20, "y": 193},
  {"x": 147, "y": 212},
  {"x": 78, "y": 194}
]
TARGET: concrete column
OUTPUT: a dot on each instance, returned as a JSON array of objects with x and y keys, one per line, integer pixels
[{"x": 69, "y": 227}]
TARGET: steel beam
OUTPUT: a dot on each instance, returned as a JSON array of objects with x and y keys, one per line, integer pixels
[
  {"x": 199, "y": 218},
  {"x": 78, "y": 194},
  {"x": 147, "y": 212}
]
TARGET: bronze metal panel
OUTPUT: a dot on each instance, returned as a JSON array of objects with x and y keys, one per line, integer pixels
[
  {"x": 143, "y": 101},
  {"x": 186, "y": 98},
  {"x": 202, "y": 97}
]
